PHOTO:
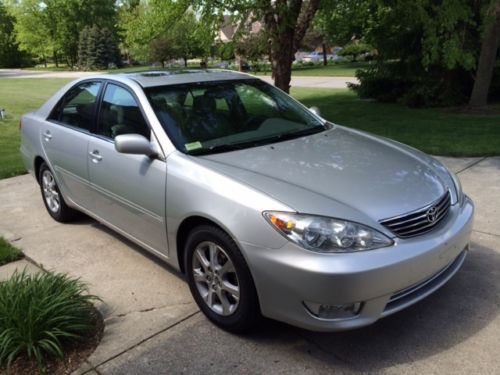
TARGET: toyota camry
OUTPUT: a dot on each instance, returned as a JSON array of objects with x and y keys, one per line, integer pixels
[{"x": 267, "y": 208}]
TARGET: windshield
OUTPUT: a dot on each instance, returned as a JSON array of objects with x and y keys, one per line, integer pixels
[{"x": 210, "y": 117}]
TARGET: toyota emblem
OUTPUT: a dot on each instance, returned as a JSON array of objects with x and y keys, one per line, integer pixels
[{"x": 432, "y": 214}]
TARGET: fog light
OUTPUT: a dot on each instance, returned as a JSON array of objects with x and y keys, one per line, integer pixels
[{"x": 333, "y": 311}]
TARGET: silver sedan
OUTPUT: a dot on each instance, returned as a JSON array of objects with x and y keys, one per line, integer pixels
[{"x": 268, "y": 209}]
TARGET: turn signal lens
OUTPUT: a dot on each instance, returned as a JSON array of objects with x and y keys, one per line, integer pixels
[{"x": 282, "y": 224}]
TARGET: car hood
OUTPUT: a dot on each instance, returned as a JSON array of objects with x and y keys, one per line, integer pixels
[{"x": 371, "y": 175}]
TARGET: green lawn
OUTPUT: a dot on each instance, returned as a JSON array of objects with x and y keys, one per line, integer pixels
[
  {"x": 436, "y": 131},
  {"x": 18, "y": 96},
  {"x": 347, "y": 69},
  {"x": 8, "y": 253}
]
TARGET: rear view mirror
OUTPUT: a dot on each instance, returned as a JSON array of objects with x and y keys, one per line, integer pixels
[{"x": 134, "y": 144}]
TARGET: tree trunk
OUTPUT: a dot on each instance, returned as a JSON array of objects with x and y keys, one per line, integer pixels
[
  {"x": 185, "y": 62},
  {"x": 286, "y": 22},
  {"x": 282, "y": 55},
  {"x": 486, "y": 63},
  {"x": 325, "y": 59},
  {"x": 56, "y": 60},
  {"x": 282, "y": 72}
]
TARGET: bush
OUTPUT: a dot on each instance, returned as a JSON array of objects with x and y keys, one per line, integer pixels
[
  {"x": 398, "y": 82},
  {"x": 41, "y": 313}
]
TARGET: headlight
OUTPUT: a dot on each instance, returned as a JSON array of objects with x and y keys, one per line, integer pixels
[{"x": 326, "y": 235}]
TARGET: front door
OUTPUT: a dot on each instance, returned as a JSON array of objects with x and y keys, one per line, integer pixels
[{"x": 129, "y": 189}]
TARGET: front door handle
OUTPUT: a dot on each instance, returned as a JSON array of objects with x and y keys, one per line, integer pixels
[
  {"x": 94, "y": 155},
  {"x": 47, "y": 136}
]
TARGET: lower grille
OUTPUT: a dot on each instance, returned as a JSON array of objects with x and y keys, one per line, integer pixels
[
  {"x": 415, "y": 293},
  {"x": 420, "y": 221}
]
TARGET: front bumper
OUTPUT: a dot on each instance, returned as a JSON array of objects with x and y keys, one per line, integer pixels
[{"x": 384, "y": 281}]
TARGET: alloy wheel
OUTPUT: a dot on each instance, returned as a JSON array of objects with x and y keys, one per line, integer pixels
[
  {"x": 50, "y": 192},
  {"x": 215, "y": 278}
]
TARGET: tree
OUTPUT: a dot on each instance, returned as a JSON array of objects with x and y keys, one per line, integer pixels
[
  {"x": 252, "y": 46},
  {"x": 427, "y": 51},
  {"x": 55, "y": 25},
  {"x": 186, "y": 34},
  {"x": 97, "y": 48},
  {"x": 285, "y": 24},
  {"x": 147, "y": 21},
  {"x": 83, "y": 46},
  {"x": 33, "y": 33},
  {"x": 224, "y": 50},
  {"x": 10, "y": 56},
  {"x": 487, "y": 57},
  {"x": 163, "y": 49},
  {"x": 354, "y": 49},
  {"x": 346, "y": 20}
]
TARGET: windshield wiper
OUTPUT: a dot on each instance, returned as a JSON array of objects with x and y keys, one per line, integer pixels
[
  {"x": 291, "y": 135},
  {"x": 258, "y": 142},
  {"x": 218, "y": 148}
]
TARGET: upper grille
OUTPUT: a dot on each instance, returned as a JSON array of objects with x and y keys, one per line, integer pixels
[{"x": 420, "y": 221}]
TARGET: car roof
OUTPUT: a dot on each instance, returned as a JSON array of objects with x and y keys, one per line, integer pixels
[{"x": 175, "y": 77}]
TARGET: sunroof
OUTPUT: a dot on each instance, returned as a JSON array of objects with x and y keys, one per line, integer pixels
[{"x": 155, "y": 74}]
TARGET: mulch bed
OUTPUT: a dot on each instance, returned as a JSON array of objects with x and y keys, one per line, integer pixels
[{"x": 75, "y": 354}]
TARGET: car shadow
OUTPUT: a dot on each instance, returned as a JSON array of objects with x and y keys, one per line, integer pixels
[
  {"x": 87, "y": 220},
  {"x": 461, "y": 308}
]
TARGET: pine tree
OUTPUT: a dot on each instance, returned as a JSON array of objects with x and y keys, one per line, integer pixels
[
  {"x": 111, "y": 47},
  {"x": 101, "y": 50},
  {"x": 83, "y": 45},
  {"x": 92, "y": 47}
]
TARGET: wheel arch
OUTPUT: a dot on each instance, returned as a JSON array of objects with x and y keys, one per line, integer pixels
[
  {"x": 186, "y": 226},
  {"x": 37, "y": 164}
]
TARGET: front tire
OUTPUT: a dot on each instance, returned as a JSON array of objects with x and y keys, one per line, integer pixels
[
  {"x": 219, "y": 279},
  {"x": 52, "y": 197}
]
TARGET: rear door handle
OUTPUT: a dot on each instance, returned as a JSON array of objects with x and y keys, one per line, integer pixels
[
  {"x": 94, "y": 155},
  {"x": 47, "y": 136}
]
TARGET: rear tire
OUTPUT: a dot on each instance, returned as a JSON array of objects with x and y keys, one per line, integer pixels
[
  {"x": 52, "y": 197},
  {"x": 219, "y": 279}
]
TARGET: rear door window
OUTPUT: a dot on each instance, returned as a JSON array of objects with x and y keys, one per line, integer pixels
[{"x": 77, "y": 108}]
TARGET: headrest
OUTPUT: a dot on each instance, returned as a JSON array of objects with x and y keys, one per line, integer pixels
[{"x": 204, "y": 103}]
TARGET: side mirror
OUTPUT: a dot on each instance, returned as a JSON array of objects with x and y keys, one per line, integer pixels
[
  {"x": 134, "y": 144},
  {"x": 315, "y": 110}
]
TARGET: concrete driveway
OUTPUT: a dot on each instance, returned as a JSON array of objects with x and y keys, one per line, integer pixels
[{"x": 153, "y": 325}]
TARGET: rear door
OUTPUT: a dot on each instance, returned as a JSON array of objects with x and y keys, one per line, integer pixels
[
  {"x": 65, "y": 137},
  {"x": 129, "y": 190}
]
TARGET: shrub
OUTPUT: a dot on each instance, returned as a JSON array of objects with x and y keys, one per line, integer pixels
[
  {"x": 41, "y": 313},
  {"x": 407, "y": 84}
]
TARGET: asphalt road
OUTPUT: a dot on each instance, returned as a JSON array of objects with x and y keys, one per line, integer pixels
[{"x": 313, "y": 82}]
